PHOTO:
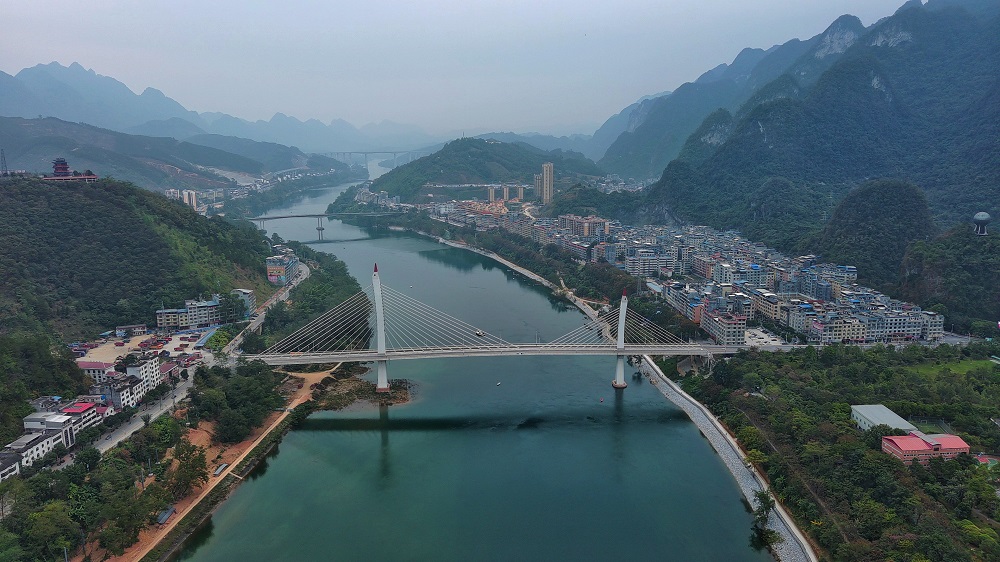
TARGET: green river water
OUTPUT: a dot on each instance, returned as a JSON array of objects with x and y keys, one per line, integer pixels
[{"x": 551, "y": 464}]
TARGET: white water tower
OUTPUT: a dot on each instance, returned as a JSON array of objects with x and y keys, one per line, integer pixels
[{"x": 981, "y": 219}]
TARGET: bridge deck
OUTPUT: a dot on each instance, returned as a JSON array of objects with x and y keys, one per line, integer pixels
[{"x": 365, "y": 355}]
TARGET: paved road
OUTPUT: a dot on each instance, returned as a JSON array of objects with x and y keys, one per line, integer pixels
[
  {"x": 154, "y": 409},
  {"x": 261, "y": 313}
]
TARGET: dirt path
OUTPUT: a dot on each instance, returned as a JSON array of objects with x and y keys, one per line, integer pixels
[{"x": 216, "y": 455}]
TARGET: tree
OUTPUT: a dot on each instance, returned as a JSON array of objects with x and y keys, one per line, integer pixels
[
  {"x": 10, "y": 549},
  {"x": 755, "y": 456},
  {"x": 192, "y": 468},
  {"x": 233, "y": 427},
  {"x": 765, "y": 504},
  {"x": 145, "y": 419},
  {"x": 88, "y": 457},
  {"x": 52, "y": 529}
]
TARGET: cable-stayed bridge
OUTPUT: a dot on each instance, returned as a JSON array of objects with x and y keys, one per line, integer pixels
[{"x": 379, "y": 324}]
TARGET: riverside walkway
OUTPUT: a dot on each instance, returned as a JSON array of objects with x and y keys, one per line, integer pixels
[{"x": 794, "y": 546}]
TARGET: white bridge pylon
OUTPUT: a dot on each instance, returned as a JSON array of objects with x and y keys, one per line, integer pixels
[{"x": 378, "y": 324}]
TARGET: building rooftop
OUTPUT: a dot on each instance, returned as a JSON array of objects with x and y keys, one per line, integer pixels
[
  {"x": 908, "y": 443},
  {"x": 949, "y": 441},
  {"x": 78, "y": 408},
  {"x": 94, "y": 365},
  {"x": 879, "y": 414}
]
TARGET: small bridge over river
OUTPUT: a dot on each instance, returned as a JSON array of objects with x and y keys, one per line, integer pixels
[
  {"x": 319, "y": 218},
  {"x": 401, "y": 327}
]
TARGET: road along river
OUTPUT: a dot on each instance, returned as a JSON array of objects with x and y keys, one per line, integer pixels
[{"x": 520, "y": 458}]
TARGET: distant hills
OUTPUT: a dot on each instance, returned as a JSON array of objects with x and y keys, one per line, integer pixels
[
  {"x": 473, "y": 160},
  {"x": 73, "y": 93},
  {"x": 152, "y": 162}
]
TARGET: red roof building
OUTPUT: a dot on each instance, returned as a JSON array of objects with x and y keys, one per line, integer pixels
[
  {"x": 78, "y": 408},
  {"x": 922, "y": 448}
]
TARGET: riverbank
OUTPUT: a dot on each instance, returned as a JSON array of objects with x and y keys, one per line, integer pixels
[
  {"x": 794, "y": 546},
  {"x": 156, "y": 542},
  {"x": 580, "y": 303},
  {"x": 324, "y": 389}
]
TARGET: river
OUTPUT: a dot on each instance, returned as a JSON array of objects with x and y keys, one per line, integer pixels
[{"x": 549, "y": 464}]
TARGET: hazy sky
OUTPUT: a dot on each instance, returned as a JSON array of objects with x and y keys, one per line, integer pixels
[{"x": 445, "y": 65}]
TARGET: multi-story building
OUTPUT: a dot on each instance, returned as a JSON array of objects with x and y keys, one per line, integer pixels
[
  {"x": 282, "y": 268},
  {"x": 648, "y": 262},
  {"x": 585, "y": 226},
  {"x": 933, "y": 325},
  {"x": 248, "y": 298},
  {"x": 33, "y": 446},
  {"x": 190, "y": 198},
  {"x": 195, "y": 314},
  {"x": 124, "y": 392},
  {"x": 548, "y": 182},
  {"x": 147, "y": 371},
  {"x": 40, "y": 422},
  {"x": 10, "y": 464},
  {"x": 96, "y": 370},
  {"x": 82, "y": 415},
  {"x": 725, "y": 328}
]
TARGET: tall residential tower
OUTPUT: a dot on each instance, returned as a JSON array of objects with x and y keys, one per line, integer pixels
[{"x": 548, "y": 177}]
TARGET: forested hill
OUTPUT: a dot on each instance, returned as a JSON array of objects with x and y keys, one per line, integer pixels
[
  {"x": 644, "y": 150},
  {"x": 917, "y": 98},
  {"x": 472, "y": 160},
  {"x": 872, "y": 228},
  {"x": 957, "y": 274},
  {"x": 82, "y": 258}
]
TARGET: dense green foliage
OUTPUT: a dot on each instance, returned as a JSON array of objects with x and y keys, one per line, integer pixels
[
  {"x": 31, "y": 365},
  {"x": 857, "y": 502},
  {"x": 872, "y": 227},
  {"x": 83, "y": 258},
  {"x": 237, "y": 401},
  {"x": 472, "y": 160},
  {"x": 273, "y": 157},
  {"x": 957, "y": 274},
  {"x": 106, "y": 499}
]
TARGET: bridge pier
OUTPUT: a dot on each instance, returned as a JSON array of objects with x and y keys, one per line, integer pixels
[
  {"x": 319, "y": 228},
  {"x": 619, "y": 381},
  {"x": 382, "y": 375}
]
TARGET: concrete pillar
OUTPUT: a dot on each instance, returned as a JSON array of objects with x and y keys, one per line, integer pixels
[
  {"x": 619, "y": 381},
  {"x": 382, "y": 382},
  {"x": 319, "y": 228}
]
